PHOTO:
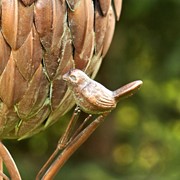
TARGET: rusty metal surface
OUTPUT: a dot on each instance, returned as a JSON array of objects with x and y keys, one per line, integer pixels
[{"x": 39, "y": 42}]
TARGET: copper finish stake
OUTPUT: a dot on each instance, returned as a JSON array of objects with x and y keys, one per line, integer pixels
[
  {"x": 9, "y": 162},
  {"x": 72, "y": 147}
]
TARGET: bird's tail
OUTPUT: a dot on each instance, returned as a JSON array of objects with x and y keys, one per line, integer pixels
[{"x": 127, "y": 90}]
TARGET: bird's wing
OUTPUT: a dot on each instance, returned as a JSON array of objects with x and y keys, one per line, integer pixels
[
  {"x": 105, "y": 101},
  {"x": 101, "y": 96}
]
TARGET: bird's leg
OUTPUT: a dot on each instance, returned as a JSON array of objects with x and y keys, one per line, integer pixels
[
  {"x": 80, "y": 127},
  {"x": 72, "y": 147},
  {"x": 67, "y": 134},
  {"x": 63, "y": 141}
]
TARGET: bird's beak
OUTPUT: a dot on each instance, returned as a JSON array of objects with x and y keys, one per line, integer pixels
[{"x": 66, "y": 76}]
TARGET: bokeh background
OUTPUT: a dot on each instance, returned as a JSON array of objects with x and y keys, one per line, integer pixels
[{"x": 141, "y": 137}]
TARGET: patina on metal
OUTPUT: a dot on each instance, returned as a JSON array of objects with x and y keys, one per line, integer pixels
[{"x": 40, "y": 40}]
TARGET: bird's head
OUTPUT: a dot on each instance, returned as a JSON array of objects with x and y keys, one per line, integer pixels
[{"x": 76, "y": 77}]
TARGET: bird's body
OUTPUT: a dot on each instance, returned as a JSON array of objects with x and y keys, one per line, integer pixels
[
  {"x": 92, "y": 99},
  {"x": 91, "y": 96}
]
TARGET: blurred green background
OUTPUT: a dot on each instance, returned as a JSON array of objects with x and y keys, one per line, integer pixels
[{"x": 141, "y": 137}]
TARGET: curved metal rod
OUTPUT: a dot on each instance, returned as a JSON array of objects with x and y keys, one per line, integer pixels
[
  {"x": 3, "y": 176},
  {"x": 62, "y": 143},
  {"x": 9, "y": 162},
  {"x": 72, "y": 147}
]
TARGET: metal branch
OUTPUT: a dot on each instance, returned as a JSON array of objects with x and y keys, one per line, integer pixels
[
  {"x": 72, "y": 147},
  {"x": 9, "y": 162}
]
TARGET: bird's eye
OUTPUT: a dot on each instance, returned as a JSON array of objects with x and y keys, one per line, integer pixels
[{"x": 73, "y": 78}]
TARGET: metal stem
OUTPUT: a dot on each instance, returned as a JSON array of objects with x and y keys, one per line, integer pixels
[
  {"x": 9, "y": 162},
  {"x": 72, "y": 147}
]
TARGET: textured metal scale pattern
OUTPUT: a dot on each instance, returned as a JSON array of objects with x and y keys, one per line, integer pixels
[{"x": 40, "y": 40}]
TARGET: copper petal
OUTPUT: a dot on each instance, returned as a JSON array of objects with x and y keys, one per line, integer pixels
[
  {"x": 29, "y": 56},
  {"x": 81, "y": 23},
  {"x": 110, "y": 32},
  {"x": 16, "y": 22},
  {"x": 66, "y": 53},
  {"x": 28, "y": 125},
  {"x": 28, "y": 2},
  {"x": 8, "y": 119},
  {"x": 35, "y": 95},
  {"x": 105, "y": 5},
  {"x": 100, "y": 29},
  {"x": 43, "y": 15},
  {"x": 118, "y": 7},
  {"x": 66, "y": 104},
  {"x": 49, "y": 18},
  {"x": 59, "y": 87},
  {"x": 12, "y": 84},
  {"x": 0, "y": 13},
  {"x": 73, "y": 4},
  {"x": 5, "y": 53}
]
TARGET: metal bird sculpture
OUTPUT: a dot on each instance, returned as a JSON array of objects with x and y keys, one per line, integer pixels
[{"x": 92, "y": 97}]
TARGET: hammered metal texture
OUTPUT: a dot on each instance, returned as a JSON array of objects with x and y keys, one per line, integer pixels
[{"x": 40, "y": 40}]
